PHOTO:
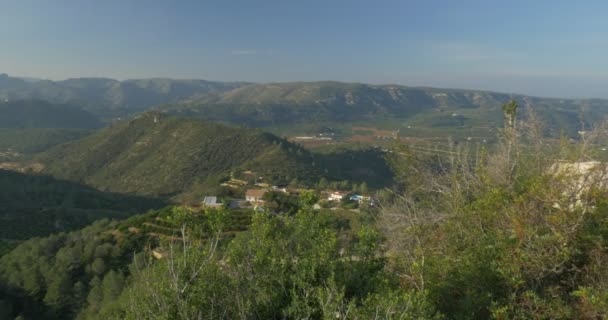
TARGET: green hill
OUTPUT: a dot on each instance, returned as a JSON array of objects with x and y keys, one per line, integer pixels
[
  {"x": 32, "y": 126},
  {"x": 166, "y": 156},
  {"x": 36, "y": 205},
  {"x": 33, "y": 140},
  {"x": 40, "y": 114}
]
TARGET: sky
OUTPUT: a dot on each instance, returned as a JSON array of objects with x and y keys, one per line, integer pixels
[{"x": 545, "y": 48}]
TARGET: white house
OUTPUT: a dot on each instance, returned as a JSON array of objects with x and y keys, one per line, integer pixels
[
  {"x": 336, "y": 196},
  {"x": 212, "y": 202},
  {"x": 255, "y": 195},
  {"x": 280, "y": 188},
  {"x": 361, "y": 199}
]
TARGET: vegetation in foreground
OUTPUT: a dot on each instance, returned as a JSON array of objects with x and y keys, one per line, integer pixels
[
  {"x": 500, "y": 235},
  {"x": 506, "y": 235}
]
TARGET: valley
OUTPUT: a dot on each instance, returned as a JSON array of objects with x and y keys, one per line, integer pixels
[
  {"x": 303, "y": 160},
  {"x": 95, "y": 200},
  {"x": 300, "y": 108}
]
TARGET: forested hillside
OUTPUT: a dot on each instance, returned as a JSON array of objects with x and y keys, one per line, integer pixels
[
  {"x": 53, "y": 277},
  {"x": 284, "y": 104},
  {"x": 166, "y": 156},
  {"x": 96, "y": 273},
  {"x": 35, "y": 205},
  {"x": 40, "y": 114},
  {"x": 32, "y": 126},
  {"x": 34, "y": 140},
  {"x": 518, "y": 231}
]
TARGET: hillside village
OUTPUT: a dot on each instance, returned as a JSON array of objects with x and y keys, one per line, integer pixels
[{"x": 259, "y": 195}]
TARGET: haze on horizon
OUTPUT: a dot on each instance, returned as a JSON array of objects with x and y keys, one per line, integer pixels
[{"x": 542, "y": 48}]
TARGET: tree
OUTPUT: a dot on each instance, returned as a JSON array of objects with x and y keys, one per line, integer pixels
[
  {"x": 344, "y": 185},
  {"x": 510, "y": 112},
  {"x": 79, "y": 296},
  {"x": 363, "y": 188},
  {"x": 58, "y": 294},
  {"x": 281, "y": 203},
  {"x": 501, "y": 237},
  {"x": 308, "y": 198},
  {"x": 6, "y": 309},
  {"x": 323, "y": 184},
  {"x": 282, "y": 267},
  {"x": 95, "y": 296},
  {"x": 111, "y": 285},
  {"x": 98, "y": 267},
  {"x": 187, "y": 284}
]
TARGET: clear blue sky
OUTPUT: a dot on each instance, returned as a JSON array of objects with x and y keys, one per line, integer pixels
[{"x": 548, "y": 48}]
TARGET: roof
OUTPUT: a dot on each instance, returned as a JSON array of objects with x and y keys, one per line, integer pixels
[
  {"x": 210, "y": 201},
  {"x": 257, "y": 193}
]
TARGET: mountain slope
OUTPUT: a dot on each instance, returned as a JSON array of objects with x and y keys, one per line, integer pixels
[
  {"x": 36, "y": 205},
  {"x": 33, "y": 140},
  {"x": 109, "y": 97},
  {"x": 166, "y": 156},
  {"x": 41, "y": 114},
  {"x": 283, "y": 104}
]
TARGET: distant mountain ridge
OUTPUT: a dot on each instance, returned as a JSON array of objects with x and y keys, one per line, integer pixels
[
  {"x": 275, "y": 104},
  {"x": 278, "y": 104},
  {"x": 103, "y": 94}
]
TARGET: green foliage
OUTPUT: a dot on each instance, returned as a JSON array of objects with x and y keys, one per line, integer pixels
[
  {"x": 500, "y": 235},
  {"x": 510, "y": 108},
  {"x": 496, "y": 235},
  {"x": 280, "y": 202},
  {"x": 55, "y": 273},
  {"x": 283, "y": 267},
  {"x": 397, "y": 305},
  {"x": 165, "y": 156},
  {"x": 36, "y": 205},
  {"x": 362, "y": 166},
  {"x": 34, "y": 140},
  {"x": 363, "y": 188},
  {"x": 40, "y": 114},
  {"x": 308, "y": 198}
]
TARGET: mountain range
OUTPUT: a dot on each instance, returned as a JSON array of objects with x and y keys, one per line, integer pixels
[
  {"x": 286, "y": 104},
  {"x": 108, "y": 96}
]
